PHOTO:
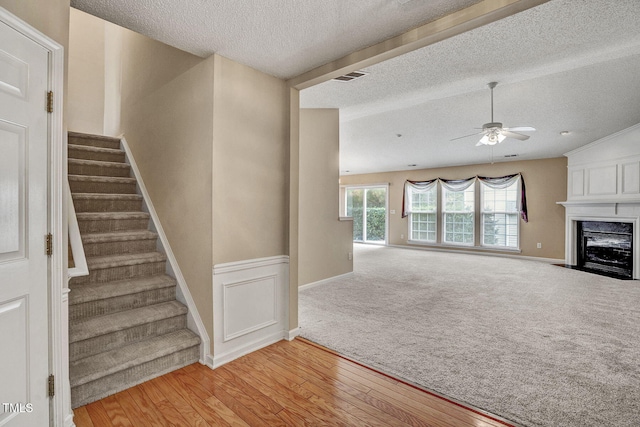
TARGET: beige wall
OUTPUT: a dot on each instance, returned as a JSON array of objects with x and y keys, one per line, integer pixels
[
  {"x": 86, "y": 94},
  {"x": 51, "y": 17},
  {"x": 324, "y": 241},
  {"x": 167, "y": 119},
  {"x": 250, "y": 168},
  {"x": 546, "y": 184},
  {"x": 210, "y": 137}
]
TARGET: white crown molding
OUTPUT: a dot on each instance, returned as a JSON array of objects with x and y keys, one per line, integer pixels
[{"x": 603, "y": 140}]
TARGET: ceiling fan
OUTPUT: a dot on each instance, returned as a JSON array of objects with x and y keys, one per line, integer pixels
[{"x": 493, "y": 132}]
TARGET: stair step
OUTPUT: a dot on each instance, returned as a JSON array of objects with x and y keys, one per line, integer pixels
[
  {"x": 97, "y": 299},
  {"x": 95, "y": 153},
  {"x": 102, "y": 222},
  {"x": 121, "y": 267},
  {"x": 98, "y": 168},
  {"x": 98, "y": 334},
  {"x": 77, "y": 138},
  {"x": 104, "y": 374},
  {"x": 119, "y": 242},
  {"x": 125, "y": 324},
  {"x": 102, "y": 184},
  {"x": 106, "y": 202}
]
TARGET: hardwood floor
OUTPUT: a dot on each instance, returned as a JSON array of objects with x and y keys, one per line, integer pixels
[{"x": 286, "y": 384}]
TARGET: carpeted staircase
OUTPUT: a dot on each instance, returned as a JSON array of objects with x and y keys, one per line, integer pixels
[{"x": 125, "y": 325}]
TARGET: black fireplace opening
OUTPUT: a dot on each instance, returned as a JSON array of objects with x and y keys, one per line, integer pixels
[{"x": 606, "y": 248}]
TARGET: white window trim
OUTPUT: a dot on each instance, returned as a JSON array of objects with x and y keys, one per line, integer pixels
[
  {"x": 343, "y": 207},
  {"x": 410, "y": 221},
  {"x": 481, "y": 222},
  {"x": 473, "y": 223}
]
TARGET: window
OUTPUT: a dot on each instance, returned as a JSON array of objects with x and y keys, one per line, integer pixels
[
  {"x": 500, "y": 215},
  {"x": 458, "y": 208},
  {"x": 423, "y": 205},
  {"x": 453, "y": 215},
  {"x": 368, "y": 208}
]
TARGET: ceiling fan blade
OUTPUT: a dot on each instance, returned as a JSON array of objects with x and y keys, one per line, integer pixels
[
  {"x": 466, "y": 136},
  {"x": 521, "y": 129},
  {"x": 480, "y": 143},
  {"x": 515, "y": 135}
]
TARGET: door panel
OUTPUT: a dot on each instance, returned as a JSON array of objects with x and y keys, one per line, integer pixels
[
  {"x": 13, "y": 322},
  {"x": 12, "y": 195},
  {"x": 24, "y": 307}
]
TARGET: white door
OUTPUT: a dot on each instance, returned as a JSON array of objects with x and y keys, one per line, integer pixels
[{"x": 24, "y": 308}]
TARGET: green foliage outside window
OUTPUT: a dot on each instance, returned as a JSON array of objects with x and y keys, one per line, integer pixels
[{"x": 375, "y": 223}]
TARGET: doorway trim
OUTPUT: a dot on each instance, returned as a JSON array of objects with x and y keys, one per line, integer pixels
[{"x": 60, "y": 406}]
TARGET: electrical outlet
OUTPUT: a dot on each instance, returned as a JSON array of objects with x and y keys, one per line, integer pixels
[
  {"x": 393, "y": 211},
  {"x": 402, "y": 236},
  {"x": 539, "y": 245},
  {"x": 350, "y": 256}
]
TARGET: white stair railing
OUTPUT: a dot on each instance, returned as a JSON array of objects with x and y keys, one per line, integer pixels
[{"x": 75, "y": 241}]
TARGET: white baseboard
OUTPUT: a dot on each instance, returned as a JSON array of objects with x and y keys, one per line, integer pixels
[
  {"x": 68, "y": 421},
  {"x": 290, "y": 336},
  {"x": 325, "y": 281},
  {"x": 223, "y": 358},
  {"x": 480, "y": 252}
]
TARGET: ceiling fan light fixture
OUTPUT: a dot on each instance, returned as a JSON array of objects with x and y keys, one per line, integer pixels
[
  {"x": 493, "y": 132},
  {"x": 492, "y": 138}
]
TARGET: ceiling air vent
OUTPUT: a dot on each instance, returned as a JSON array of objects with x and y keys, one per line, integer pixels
[{"x": 351, "y": 76}]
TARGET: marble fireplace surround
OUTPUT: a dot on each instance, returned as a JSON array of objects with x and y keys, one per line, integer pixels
[{"x": 603, "y": 184}]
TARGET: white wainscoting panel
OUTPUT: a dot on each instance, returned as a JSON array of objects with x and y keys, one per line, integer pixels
[
  {"x": 250, "y": 306},
  {"x": 603, "y": 181},
  {"x": 630, "y": 178},
  {"x": 577, "y": 183}
]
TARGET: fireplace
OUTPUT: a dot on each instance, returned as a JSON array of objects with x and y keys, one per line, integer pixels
[
  {"x": 605, "y": 247},
  {"x": 602, "y": 210}
]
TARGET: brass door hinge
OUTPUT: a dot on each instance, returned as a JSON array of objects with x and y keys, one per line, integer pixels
[
  {"x": 50, "y": 102},
  {"x": 48, "y": 244},
  {"x": 52, "y": 385}
]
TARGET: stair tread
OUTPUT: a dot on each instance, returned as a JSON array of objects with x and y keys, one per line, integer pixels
[
  {"x": 97, "y": 291},
  {"x": 96, "y": 216},
  {"x": 109, "y": 261},
  {"x": 73, "y": 134},
  {"x": 118, "y": 236},
  {"x": 93, "y": 149},
  {"x": 98, "y": 178},
  {"x": 99, "y": 163},
  {"x": 103, "y": 364},
  {"x": 100, "y": 325},
  {"x": 106, "y": 196}
]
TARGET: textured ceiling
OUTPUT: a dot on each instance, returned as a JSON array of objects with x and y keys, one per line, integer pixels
[
  {"x": 283, "y": 38},
  {"x": 565, "y": 65}
]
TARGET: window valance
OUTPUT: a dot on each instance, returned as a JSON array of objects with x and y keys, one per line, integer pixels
[{"x": 462, "y": 184}]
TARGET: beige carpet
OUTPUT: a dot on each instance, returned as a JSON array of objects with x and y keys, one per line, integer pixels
[{"x": 537, "y": 344}]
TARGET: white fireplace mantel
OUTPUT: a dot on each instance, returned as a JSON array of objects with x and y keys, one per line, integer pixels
[
  {"x": 599, "y": 211},
  {"x": 603, "y": 184}
]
